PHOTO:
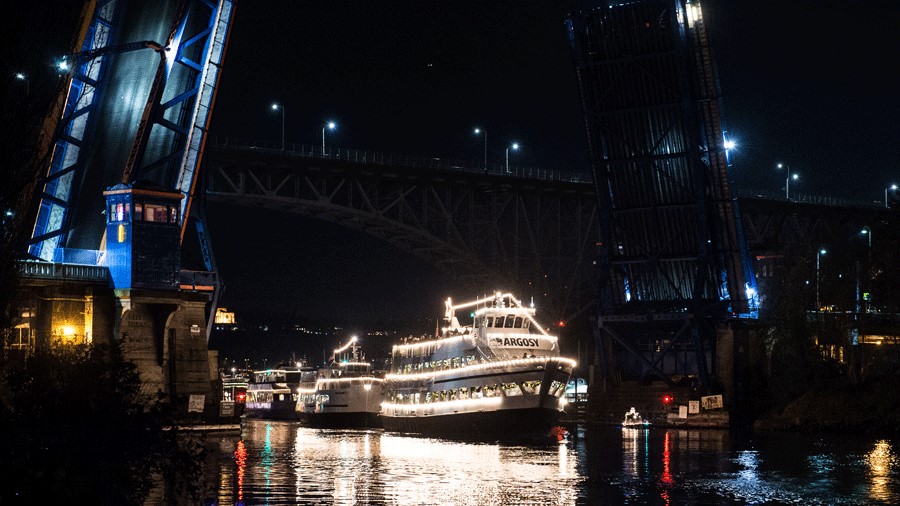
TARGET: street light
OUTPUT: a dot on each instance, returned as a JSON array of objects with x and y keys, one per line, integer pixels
[
  {"x": 275, "y": 107},
  {"x": 866, "y": 231},
  {"x": 479, "y": 131},
  {"x": 21, "y": 76},
  {"x": 818, "y": 256},
  {"x": 893, "y": 187},
  {"x": 728, "y": 144},
  {"x": 787, "y": 180},
  {"x": 515, "y": 147},
  {"x": 331, "y": 125}
]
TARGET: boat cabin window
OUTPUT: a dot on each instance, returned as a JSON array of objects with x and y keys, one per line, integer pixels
[
  {"x": 519, "y": 322},
  {"x": 525, "y": 324},
  {"x": 510, "y": 389},
  {"x": 498, "y": 322},
  {"x": 510, "y": 320}
]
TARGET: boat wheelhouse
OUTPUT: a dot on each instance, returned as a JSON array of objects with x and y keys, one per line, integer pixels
[
  {"x": 346, "y": 394},
  {"x": 272, "y": 393},
  {"x": 501, "y": 375}
]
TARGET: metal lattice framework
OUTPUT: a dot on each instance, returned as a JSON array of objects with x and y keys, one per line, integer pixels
[
  {"x": 164, "y": 145},
  {"x": 531, "y": 234},
  {"x": 672, "y": 242}
]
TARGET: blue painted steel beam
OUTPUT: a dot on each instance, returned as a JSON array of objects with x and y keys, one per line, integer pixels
[{"x": 73, "y": 132}]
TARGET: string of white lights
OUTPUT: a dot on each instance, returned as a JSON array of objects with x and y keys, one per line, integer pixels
[{"x": 546, "y": 361}]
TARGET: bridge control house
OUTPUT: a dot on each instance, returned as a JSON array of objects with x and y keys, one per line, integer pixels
[{"x": 143, "y": 236}]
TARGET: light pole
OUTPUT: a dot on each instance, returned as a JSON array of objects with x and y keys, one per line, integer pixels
[
  {"x": 331, "y": 125},
  {"x": 514, "y": 146},
  {"x": 866, "y": 231},
  {"x": 276, "y": 107},
  {"x": 21, "y": 76},
  {"x": 818, "y": 256},
  {"x": 479, "y": 131},
  {"x": 893, "y": 187},
  {"x": 787, "y": 180}
]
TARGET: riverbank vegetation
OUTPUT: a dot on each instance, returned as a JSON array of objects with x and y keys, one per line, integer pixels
[
  {"x": 76, "y": 428},
  {"x": 809, "y": 372}
]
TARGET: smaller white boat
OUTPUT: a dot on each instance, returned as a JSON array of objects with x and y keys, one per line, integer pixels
[
  {"x": 633, "y": 420},
  {"x": 271, "y": 393},
  {"x": 346, "y": 394}
]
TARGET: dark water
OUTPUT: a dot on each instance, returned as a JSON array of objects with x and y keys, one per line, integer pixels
[{"x": 283, "y": 463}]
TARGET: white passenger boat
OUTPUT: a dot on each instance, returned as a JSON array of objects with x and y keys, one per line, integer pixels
[
  {"x": 500, "y": 376},
  {"x": 346, "y": 394},
  {"x": 272, "y": 393}
]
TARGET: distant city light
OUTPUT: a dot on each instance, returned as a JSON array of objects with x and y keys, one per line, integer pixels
[
  {"x": 20, "y": 76},
  {"x": 477, "y": 131},
  {"x": 332, "y": 125},
  {"x": 514, "y": 146},
  {"x": 275, "y": 107},
  {"x": 795, "y": 177},
  {"x": 729, "y": 144},
  {"x": 63, "y": 65}
]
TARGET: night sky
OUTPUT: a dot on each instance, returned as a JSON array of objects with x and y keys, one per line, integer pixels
[{"x": 809, "y": 83}]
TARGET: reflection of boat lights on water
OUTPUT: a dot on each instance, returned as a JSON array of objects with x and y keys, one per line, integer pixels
[
  {"x": 881, "y": 461},
  {"x": 667, "y": 455},
  {"x": 750, "y": 460},
  {"x": 459, "y": 461},
  {"x": 630, "y": 451},
  {"x": 240, "y": 458}
]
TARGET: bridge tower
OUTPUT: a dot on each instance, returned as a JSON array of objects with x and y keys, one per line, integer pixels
[
  {"x": 120, "y": 154},
  {"x": 674, "y": 273}
]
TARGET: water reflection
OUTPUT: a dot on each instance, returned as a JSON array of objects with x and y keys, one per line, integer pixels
[
  {"x": 881, "y": 462},
  {"x": 283, "y": 463},
  {"x": 240, "y": 460}
]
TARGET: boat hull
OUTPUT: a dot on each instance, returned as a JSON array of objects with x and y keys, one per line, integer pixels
[
  {"x": 507, "y": 423},
  {"x": 351, "y": 420},
  {"x": 272, "y": 411}
]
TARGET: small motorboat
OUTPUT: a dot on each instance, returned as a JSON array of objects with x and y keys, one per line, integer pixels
[{"x": 633, "y": 419}]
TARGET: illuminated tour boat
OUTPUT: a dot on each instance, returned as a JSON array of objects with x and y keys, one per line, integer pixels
[
  {"x": 272, "y": 393},
  {"x": 502, "y": 375},
  {"x": 346, "y": 394},
  {"x": 634, "y": 420}
]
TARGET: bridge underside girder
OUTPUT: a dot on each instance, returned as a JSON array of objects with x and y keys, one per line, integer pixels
[
  {"x": 655, "y": 346},
  {"x": 492, "y": 233}
]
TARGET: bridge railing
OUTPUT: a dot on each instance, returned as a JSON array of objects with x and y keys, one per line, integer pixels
[
  {"x": 804, "y": 198},
  {"x": 48, "y": 270},
  {"x": 397, "y": 160}
]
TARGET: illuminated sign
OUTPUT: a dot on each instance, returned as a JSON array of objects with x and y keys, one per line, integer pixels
[{"x": 526, "y": 341}]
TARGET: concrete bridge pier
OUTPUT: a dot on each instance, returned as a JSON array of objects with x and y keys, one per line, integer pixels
[
  {"x": 164, "y": 335},
  {"x": 162, "y": 332}
]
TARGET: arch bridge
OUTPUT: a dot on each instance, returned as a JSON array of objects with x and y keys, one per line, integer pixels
[{"x": 531, "y": 230}]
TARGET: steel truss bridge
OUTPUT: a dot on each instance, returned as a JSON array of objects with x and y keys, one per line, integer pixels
[
  {"x": 533, "y": 227},
  {"x": 528, "y": 230}
]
